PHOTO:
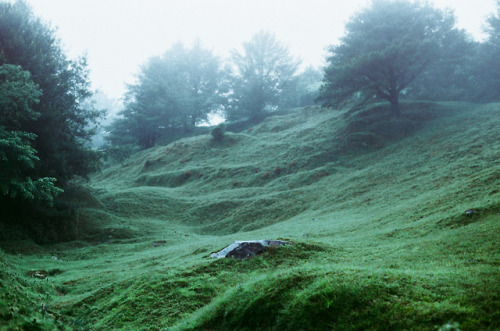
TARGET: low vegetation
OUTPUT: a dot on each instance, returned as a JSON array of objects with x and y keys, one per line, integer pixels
[{"x": 379, "y": 231}]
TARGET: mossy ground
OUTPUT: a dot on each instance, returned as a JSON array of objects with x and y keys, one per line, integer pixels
[{"x": 374, "y": 209}]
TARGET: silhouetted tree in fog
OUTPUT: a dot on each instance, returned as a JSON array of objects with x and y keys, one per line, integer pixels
[
  {"x": 264, "y": 70},
  {"x": 491, "y": 69},
  {"x": 174, "y": 91},
  {"x": 454, "y": 75},
  {"x": 386, "y": 47},
  {"x": 303, "y": 89}
]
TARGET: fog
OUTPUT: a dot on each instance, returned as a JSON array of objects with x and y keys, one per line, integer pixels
[
  {"x": 375, "y": 163},
  {"x": 119, "y": 35}
]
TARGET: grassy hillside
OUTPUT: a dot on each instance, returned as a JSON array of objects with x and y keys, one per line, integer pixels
[{"x": 374, "y": 207}]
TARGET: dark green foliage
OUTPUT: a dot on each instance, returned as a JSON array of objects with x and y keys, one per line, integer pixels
[
  {"x": 468, "y": 70},
  {"x": 387, "y": 46},
  {"x": 218, "y": 132},
  {"x": 264, "y": 71},
  {"x": 17, "y": 159},
  {"x": 174, "y": 92},
  {"x": 18, "y": 94},
  {"x": 454, "y": 76},
  {"x": 44, "y": 127},
  {"x": 62, "y": 128}
]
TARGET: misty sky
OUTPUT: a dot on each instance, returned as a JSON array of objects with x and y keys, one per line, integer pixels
[{"x": 120, "y": 35}]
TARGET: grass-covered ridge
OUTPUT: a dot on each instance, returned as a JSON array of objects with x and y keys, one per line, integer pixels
[{"x": 374, "y": 206}]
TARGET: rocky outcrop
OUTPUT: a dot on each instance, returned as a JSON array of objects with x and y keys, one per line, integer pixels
[{"x": 243, "y": 249}]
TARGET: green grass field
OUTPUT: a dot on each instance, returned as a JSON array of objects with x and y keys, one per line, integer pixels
[{"x": 373, "y": 206}]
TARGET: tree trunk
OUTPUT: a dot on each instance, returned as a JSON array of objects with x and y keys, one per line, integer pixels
[{"x": 394, "y": 100}]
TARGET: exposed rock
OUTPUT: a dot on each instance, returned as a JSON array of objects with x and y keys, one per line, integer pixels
[
  {"x": 470, "y": 212},
  {"x": 244, "y": 249},
  {"x": 159, "y": 242},
  {"x": 42, "y": 274}
]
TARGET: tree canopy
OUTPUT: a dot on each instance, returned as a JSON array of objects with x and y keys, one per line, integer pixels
[
  {"x": 493, "y": 27},
  {"x": 264, "y": 69},
  {"x": 174, "y": 91},
  {"x": 62, "y": 127},
  {"x": 469, "y": 70},
  {"x": 491, "y": 54},
  {"x": 18, "y": 93},
  {"x": 303, "y": 89},
  {"x": 386, "y": 47}
]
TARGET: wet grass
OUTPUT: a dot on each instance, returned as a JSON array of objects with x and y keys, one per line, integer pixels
[{"x": 380, "y": 238}]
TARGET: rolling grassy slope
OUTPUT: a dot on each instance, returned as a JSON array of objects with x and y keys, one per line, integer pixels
[{"x": 374, "y": 206}]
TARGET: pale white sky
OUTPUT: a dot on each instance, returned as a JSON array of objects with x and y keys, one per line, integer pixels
[{"x": 120, "y": 35}]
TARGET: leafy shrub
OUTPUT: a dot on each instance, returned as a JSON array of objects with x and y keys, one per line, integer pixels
[{"x": 218, "y": 132}]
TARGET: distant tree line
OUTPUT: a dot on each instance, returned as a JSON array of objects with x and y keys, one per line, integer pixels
[
  {"x": 180, "y": 89},
  {"x": 393, "y": 49}
]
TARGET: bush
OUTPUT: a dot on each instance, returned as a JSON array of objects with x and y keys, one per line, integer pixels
[{"x": 218, "y": 132}]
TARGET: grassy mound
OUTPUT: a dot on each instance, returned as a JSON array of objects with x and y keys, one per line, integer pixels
[
  {"x": 333, "y": 300},
  {"x": 375, "y": 208},
  {"x": 24, "y": 296}
]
